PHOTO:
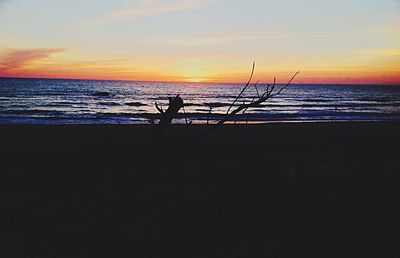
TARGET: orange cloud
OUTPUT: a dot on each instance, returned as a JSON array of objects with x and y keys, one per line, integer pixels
[
  {"x": 112, "y": 69},
  {"x": 17, "y": 59},
  {"x": 39, "y": 63}
]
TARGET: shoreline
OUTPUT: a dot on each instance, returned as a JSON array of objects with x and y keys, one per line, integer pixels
[{"x": 19, "y": 137}]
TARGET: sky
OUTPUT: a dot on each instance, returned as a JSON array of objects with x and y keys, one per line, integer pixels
[{"x": 330, "y": 41}]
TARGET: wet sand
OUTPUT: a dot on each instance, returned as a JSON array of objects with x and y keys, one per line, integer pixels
[{"x": 275, "y": 190}]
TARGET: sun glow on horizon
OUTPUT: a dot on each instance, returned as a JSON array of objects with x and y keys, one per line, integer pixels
[{"x": 197, "y": 80}]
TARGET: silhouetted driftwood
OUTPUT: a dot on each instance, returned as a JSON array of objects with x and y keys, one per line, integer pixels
[
  {"x": 256, "y": 102},
  {"x": 175, "y": 104}
]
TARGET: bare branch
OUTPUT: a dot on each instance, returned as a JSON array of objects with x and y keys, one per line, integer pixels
[
  {"x": 244, "y": 107},
  {"x": 244, "y": 89},
  {"x": 255, "y": 87},
  {"x": 160, "y": 109},
  {"x": 244, "y": 111},
  {"x": 273, "y": 87},
  {"x": 290, "y": 82}
]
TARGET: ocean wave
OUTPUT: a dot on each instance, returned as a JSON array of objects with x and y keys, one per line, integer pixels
[
  {"x": 377, "y": 99},
  {"x": 8, "y": 95},
  {"x": 61, "y": 104},
  {"x": 135, "y": 104},
  {"x": 32, "y": 112},
  {"x": 113, "y": 104}
]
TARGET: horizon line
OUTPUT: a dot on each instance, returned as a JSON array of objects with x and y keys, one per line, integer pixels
[{"x": 188, "y": 82}]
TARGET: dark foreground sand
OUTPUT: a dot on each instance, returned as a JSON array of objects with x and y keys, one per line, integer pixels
[{"x": 278, "y": 190}]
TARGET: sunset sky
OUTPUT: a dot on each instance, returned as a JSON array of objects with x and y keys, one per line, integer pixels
[{"x": 330, "y": 41}]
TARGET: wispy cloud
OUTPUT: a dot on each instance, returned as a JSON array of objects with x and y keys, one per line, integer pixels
[
  {"x": 150, "y": 8},
  {"x": 17, "y": 59},
  {"x": 225, "y": 39}
]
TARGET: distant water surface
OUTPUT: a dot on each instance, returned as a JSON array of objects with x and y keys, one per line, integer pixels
[{"x": 44, "y": 101}]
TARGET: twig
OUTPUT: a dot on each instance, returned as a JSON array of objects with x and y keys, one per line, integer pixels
[
  {"x": 244, "y": 89},
  {"x": 291, "y": 80},
  {"x": 255, "y": 87},
  {"x": 273, "y": 86},
  {"x": 244, "y": 103},
  {"x": 160, "y": 109}
]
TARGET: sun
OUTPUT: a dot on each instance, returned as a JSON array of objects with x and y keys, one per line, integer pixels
[{"x": 196, "y": 79}]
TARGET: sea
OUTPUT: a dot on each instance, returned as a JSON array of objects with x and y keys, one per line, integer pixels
[{"x": 63, "y": 101}]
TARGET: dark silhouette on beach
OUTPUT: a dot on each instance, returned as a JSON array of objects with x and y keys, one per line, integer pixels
[{"x": 175, "y": 104}]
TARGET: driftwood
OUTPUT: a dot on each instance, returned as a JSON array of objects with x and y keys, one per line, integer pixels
[
  {"x": 175, "y": 104},
  {"x": 256, "y": 102},
  {"x": 269, "y": 93}
]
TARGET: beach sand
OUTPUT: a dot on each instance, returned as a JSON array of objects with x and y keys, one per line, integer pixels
[{"x": 273, "y": 190}]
